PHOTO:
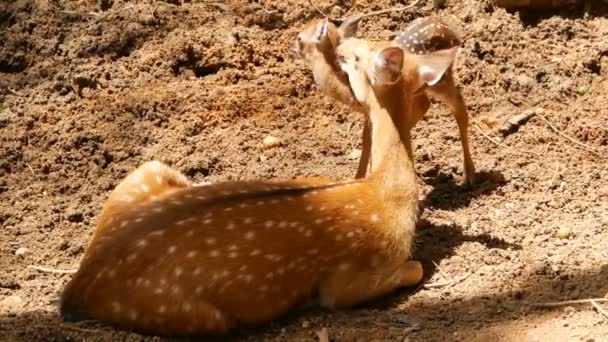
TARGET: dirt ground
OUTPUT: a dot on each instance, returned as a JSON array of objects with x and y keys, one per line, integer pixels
[{"x": 89, "y": 91}]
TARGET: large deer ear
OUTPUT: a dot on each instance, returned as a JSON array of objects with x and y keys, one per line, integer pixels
[
  {"x": 349, "y": 27},
  {"x": 431, "y": 67},
  {"x": 387, "y": 65},
  {"x": 320, "y": 30}
]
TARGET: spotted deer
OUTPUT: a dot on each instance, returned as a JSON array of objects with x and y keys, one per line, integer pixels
[
  {"x": 173, "y": 259},
  {"x": 316, "y": 45}
]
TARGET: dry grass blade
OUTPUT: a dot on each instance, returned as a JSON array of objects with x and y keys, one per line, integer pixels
[
  {"x": 572, "y": 140},
  {"x": 447, "y": 283},
  {"x": 50, "y": 270},
  {"x": 569, "y": 302}
]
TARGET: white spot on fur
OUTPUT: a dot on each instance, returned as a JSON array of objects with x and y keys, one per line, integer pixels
[
  {"x": 214, "y": 253},
  {"x": 249, "y": 235}
]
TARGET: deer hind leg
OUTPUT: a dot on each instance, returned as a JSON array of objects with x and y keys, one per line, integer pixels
[
  {"x": 366, "y": 150},
  {"x": 149, "y": 181},
  {"x": 447, "y": 92},
  {"x": 352, "y": 286}
]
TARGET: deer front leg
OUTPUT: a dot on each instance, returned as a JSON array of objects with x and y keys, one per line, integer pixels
[
  {"x": 350, "y": 285},
  {"x": 366, "y": 150},
  {"x": 447, "y": 92}
]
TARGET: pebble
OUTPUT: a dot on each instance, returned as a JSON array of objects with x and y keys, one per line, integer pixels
[
  {"x": 305, "y": 324},
  {"x": 270, "y": 142},
  {"x": 563, "y": 233},
  {"x": 355, "y": 154},
  {"x": 22, "y": 251}
]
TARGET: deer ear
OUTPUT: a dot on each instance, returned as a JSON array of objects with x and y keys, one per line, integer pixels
[
  {"x": 431, "y": 67},
  {"x": 320, "y": 30},
  {"x": 349, "y": 27},
  {"x": 387, "y": 65}
]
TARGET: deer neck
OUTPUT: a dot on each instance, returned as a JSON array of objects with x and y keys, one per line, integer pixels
[{"x": 391, "y": 146}]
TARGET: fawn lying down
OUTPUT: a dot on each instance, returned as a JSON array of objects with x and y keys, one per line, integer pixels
[
  {"x": 316, "y": 45},
  {"x": 169, "y": 258}
]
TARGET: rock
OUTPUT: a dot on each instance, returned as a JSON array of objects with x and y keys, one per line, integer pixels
[
  {"x": 22, "y": 251},
  {"x": 305, "y": 324},
  {"x": 355, "y": 154},
  {"x": 270, "y": 142}
]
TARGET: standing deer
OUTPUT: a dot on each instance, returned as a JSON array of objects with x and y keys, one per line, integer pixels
[
  {"x": 316, "y": 45},
  {"x": 173, "y": 259}
]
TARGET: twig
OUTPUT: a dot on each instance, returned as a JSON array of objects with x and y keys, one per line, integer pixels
[
  {"x": 70, "y": 327},
  {"x": 323, "y": 335},
  {"x": 445, "y": 276},
  {"x": 50, "y": 270},
  {"x": 446, "y": 283},
  {"x": 569, "y": 302},
  {"x": 488, "y": 137},
  {"x": 572, "y": 140},
  {"x": 317, "y": 9},
  {"x": 599, "y": 308},
  {"x": 388, "y": 10}
]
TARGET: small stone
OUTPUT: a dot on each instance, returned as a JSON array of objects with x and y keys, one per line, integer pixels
[
  {"x": 148, "y": 19},
  {"x": 563, "y": 233},
  {"x": 583, "y": 90},
  {"x": 305, "y": 324},
  {"x": 263, "y": 158},
  {"x": 355, "y": 154},
  {"x": 270, "y": 142},
  {"x": 22, "y": 251},
  {"x": 74, "y": 215}
]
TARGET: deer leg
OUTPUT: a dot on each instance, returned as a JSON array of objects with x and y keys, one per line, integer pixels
[
  {"x": 352, "y": 286},
  {"x": 149, "y": 181},
  {"x": 447, "y": 92},
  {"x": 365, "y": 160}
]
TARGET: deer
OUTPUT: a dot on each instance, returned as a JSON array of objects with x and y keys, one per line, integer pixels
[
  {"x": 316, "y": 44},
  {"x": 173, "y": 259}
]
